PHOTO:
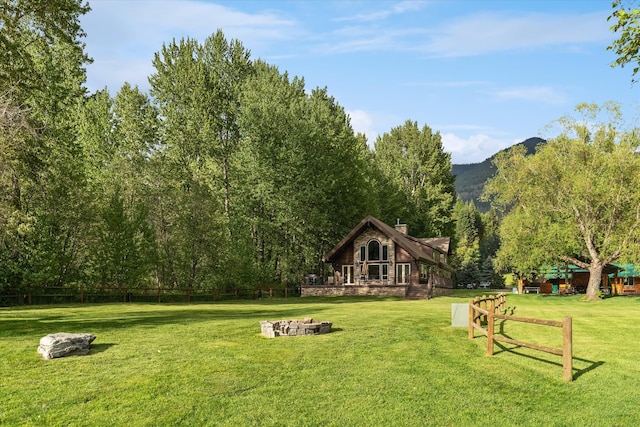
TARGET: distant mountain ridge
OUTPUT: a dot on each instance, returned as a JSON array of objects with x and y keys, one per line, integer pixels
[{"x": 471, "y": 178}]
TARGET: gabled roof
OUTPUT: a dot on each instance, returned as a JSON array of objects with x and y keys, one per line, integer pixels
[
  {"x": 440, "y": 243},
  {"x": 417, "y": 248}
]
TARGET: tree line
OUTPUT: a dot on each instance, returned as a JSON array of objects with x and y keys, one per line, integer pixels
[{"x": 226, "y": 173}]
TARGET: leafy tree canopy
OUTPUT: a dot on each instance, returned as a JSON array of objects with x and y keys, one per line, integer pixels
[
  {"x": 576, "y": 200},
  {"x": 626, "y": 22},
  {"x": 419, "y": 170}
]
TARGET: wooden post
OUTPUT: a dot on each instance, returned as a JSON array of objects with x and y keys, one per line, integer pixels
[
  {"x": 471, "y": 312},
  {"x": 159, "y": 295},
  {"x": 567, "y": 349},
  {"x": 270, "y": 293},
  {"x": 189, "y": 294},
  {"x": 486, "y": 307},
  {"x": 81, "y": 293},
  {"x": 490, "y": 330}
]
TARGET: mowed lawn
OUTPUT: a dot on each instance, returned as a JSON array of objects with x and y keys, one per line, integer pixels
[{"x": 388, "y": 362}]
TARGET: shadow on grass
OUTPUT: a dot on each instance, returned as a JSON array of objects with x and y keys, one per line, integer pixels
[
  {"x": 577, "y": 372},
  {"x": 148, "y": 316},
  {"x": 99, "y": 348},
  {"x": 107, "y": 317}
]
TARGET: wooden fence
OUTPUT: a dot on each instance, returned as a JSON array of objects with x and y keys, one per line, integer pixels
[
  {"x": 485, "y": 310},
  {"x": 82, "y": 294}
]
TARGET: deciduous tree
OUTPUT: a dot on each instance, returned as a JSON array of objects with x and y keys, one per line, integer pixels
[
  {"x": 626, "y": 23},
  {"x": 576, "y": 200},
  {"x": 417, "y": 167}
]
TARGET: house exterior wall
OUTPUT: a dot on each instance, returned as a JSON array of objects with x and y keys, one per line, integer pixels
[{"x": 362, "y": 240}]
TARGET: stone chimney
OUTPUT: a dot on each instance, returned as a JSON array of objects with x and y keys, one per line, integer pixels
[{"x": 402, "y": 228}]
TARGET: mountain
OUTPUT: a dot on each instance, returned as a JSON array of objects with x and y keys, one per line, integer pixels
[{"x": 470, "y": 179}]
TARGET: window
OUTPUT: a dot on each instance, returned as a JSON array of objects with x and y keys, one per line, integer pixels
[
  {"x": 374, "y": 272},
  {"x": 373, "y": 251},
  {"x": 403, "y": 273},
  {"x": 347, "y": 274},
  {"x": 374, "y": 259},
  {"x": 424, "y": 271},
  {"x": 436, "y": 256}
]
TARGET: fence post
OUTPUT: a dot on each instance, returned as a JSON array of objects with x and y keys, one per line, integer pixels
[
  {"x": 81, "y": 293},
  {"x": 189, "y": 294},
  {"x": 567, "y": 349},
  {"x": 486, "y": 307},
  {"x": 490, "y": 330},
  {"x": 471, "y": 312},
  {"x": 159, "y": 295}
]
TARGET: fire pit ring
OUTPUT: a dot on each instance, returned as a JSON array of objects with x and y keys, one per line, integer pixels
[{"x": 290, "y": 328}]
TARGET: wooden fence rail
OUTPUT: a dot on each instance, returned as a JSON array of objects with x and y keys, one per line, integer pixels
[
  {"x": 84, "y": 294},
  {"x": 490, "y": 313}
]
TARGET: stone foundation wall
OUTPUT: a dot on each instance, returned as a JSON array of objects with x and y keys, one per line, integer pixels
[
  {"x": 353, "y": 290},
  {"x": 370, "y": 290}
]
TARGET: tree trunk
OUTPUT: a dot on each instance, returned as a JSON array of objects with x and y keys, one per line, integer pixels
[{"x": 595, "y": 278}]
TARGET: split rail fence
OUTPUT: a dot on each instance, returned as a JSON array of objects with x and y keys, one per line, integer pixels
[
  {"x": 486, "y": 309},
  {"x": 82, "y": 294}
]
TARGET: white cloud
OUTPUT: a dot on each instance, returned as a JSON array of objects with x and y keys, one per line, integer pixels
[
  {"x": 122, "y": 34},
  {"x": 398, "y": 8},
  {"x": 473, "y": 34},
  {"x": 473, "y": 149},
  {"x": 544, "y": 94},
  {"x": 492, "y": 32},
  {"x": 362, "y": 122}
]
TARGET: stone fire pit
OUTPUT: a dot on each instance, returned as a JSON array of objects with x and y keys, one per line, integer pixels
[{"x": 288, "y": 328}]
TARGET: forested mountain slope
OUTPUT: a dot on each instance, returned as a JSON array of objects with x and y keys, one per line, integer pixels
[{"x": 471, "y": 178}]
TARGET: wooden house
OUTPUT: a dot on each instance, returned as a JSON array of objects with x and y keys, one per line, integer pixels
[
  {"x": 626, "y": 281},
  {"x": 377, "y": 259},
  {"x": 569, "y": 278}
]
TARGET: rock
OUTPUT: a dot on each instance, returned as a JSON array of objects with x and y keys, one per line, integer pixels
[{"x": 64, "y": 344}]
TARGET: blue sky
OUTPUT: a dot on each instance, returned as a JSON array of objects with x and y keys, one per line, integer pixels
[{"x": 485, "y": 74}]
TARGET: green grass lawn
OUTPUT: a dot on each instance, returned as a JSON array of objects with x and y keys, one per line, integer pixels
[{"x": 387, "y": 362}]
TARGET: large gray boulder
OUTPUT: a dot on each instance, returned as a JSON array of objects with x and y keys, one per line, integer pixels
[{"x": 64, "y": 344}]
